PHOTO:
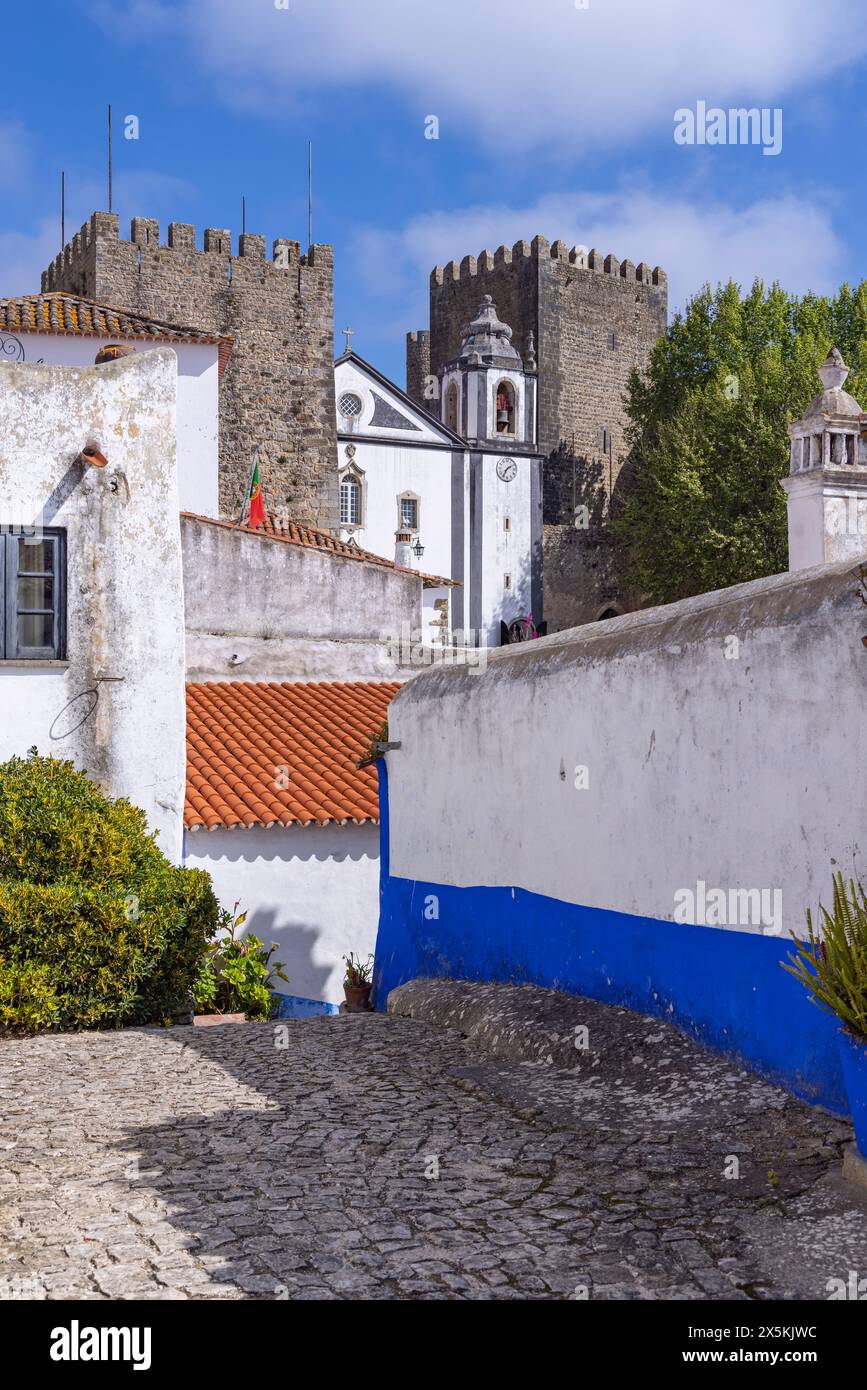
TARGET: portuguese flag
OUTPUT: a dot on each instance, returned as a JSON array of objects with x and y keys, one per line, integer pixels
[{"x": 254, "y": 495}]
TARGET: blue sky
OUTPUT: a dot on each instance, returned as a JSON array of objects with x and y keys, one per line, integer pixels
[{"x": 553, "y": 119}]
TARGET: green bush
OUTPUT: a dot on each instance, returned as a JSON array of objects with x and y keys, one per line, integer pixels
[
  {"x": 97, "y": 927},
  {"x": 28, "y": 999}
]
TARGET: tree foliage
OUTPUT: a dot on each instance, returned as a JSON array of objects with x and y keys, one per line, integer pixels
[{"x": 707, "y": 432}]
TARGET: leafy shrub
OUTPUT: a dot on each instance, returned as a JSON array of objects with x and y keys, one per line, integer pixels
[
  {"x": 114, "y": 931},
  {"x": 237, "y": 975},
  {"x": 28, "y": 999},
  {"x": 832, "y": 963}
]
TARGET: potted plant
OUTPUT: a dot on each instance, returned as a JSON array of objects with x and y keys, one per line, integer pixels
[
  {"x": 832, "y": 965},
  {"x": 235, "y": 980},
  {"x": 357, "y": 983}
]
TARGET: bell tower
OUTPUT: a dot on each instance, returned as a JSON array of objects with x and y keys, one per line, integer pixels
[{"x": 487, "y": 393}]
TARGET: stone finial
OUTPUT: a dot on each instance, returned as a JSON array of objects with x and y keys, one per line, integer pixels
[
  {"x": 487, "y": 339},
  {"x": 833, "y": 370},
  {"x": 531, "y": 352}
]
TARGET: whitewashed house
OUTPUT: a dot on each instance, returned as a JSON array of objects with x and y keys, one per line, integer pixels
[
  {"x": 67, "y": 330},
  {"x": 126, "y": 625},
  {"x": 458, "y": 493}
]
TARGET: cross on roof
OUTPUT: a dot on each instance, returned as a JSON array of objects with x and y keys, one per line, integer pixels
[{"x": 349, "y": 333}]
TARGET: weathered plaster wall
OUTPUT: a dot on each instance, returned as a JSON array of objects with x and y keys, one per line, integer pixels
[
  {"x": 314, "y": 890},
  {"x": 262, "y": 608},
  {"x": 116, "y": 704},
  {"x": 722, "y": 741},
  {"x": 197, "y": 413}
]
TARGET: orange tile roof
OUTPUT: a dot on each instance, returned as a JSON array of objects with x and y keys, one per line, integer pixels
[
  {"x": 59, "y": 312},
  {"x": 278, "y": 528},
  {"x": 245, "y": 739}
]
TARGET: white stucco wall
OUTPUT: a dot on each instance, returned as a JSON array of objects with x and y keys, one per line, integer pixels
[
  {"x": 116, "y": 704},
  {"x": 197, "y": 409},
  {"x": 723, "y": 740},
  {"x": 389, "y": 471},
  {"x": 505, "y": 552},
  {"x": 312, "y": 890},
  {"x": 258, "y": 608}
]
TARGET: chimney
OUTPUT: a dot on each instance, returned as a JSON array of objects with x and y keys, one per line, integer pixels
[
  {"x": 826, "y": 490},
  {"x": 402, "y": 549}
]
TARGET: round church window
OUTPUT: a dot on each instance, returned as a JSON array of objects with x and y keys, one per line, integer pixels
[{"x": 349, "y": 405}]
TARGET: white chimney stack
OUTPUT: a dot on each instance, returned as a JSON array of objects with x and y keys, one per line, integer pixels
[
  {"x": 403, "y": 549},
  {"x": 826, "y": 490}
]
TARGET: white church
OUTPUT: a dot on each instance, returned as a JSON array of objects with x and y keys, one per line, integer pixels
[{"x": 462, "y": 492}]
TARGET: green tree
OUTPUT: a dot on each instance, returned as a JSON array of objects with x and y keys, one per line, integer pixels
[{"x": 707, "y": 432}]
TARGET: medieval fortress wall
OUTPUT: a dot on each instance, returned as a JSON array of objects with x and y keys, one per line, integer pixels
[
  {"x": 278, "y": 388},
  {"x": 593, "y": 318}
]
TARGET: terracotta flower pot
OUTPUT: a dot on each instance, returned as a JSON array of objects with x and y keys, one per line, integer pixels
[
  {"x": 357, "y": 998},
  {"x": 853, "y": 1055}
]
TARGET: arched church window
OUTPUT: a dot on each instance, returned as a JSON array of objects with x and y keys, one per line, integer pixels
[
  {"x": 350, "y": 501},
  {"x": 452, "y": 408},
  {"x": 505, "y": 408}
]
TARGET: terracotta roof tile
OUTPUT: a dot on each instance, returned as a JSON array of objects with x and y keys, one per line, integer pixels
[
  {"x": 278, "y": 528},
  {"x": 59, "y": 312},
  {"x": 266, "y": 753}
]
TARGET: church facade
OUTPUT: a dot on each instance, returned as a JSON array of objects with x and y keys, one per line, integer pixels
[{"x": 458, "y": 493}]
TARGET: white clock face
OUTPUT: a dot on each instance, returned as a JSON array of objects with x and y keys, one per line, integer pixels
[{"x": 506, "y": 469}]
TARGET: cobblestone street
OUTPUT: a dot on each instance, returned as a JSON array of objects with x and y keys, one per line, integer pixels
[{"x": 471, "y": 1151}]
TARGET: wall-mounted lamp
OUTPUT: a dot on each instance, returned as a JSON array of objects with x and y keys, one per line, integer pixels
[{"x": 418, "y": 549}]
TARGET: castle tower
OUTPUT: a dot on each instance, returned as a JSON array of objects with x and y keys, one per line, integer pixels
[
  {"x": 486, "y": 395},
  {"x": 420, "y": 384},
  {"x": 593, "y": 318},
  {"x": 278, "y": 387},
  {"x": 826, "y": 490}
]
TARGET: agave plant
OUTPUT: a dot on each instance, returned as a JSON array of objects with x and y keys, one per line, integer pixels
[{"x": 832, "y": 962}]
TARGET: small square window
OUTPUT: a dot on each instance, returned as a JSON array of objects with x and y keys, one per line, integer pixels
[
  {"x": 32, "y": 595},
  {"x": 409, "y": 513}
]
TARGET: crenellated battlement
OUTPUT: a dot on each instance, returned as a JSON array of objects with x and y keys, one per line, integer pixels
[
  {"x": 277, "y": 391},
  {"x": 538, "y": 249},
  {"x": 104, "y": 227}
]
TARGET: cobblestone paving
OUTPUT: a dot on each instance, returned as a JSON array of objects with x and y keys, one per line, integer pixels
[{"x": 210, "y": 1163}]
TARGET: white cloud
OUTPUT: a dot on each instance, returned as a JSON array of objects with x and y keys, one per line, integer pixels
[
  {"x": 519, "y": 76},
  {"x": 23, "y": 257},
  {"x": 789, "y": 239}
]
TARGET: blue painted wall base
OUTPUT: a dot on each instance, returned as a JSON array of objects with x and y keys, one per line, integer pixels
[
  {"x": 294, "y": 1006},
  {"x": 724, "y": 988}
]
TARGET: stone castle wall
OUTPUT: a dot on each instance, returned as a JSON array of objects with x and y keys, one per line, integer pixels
[
  {"x": 418, "y": 370},
  {"x": 278, "y": 388},
  {"x": 593, "y": 318}
]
